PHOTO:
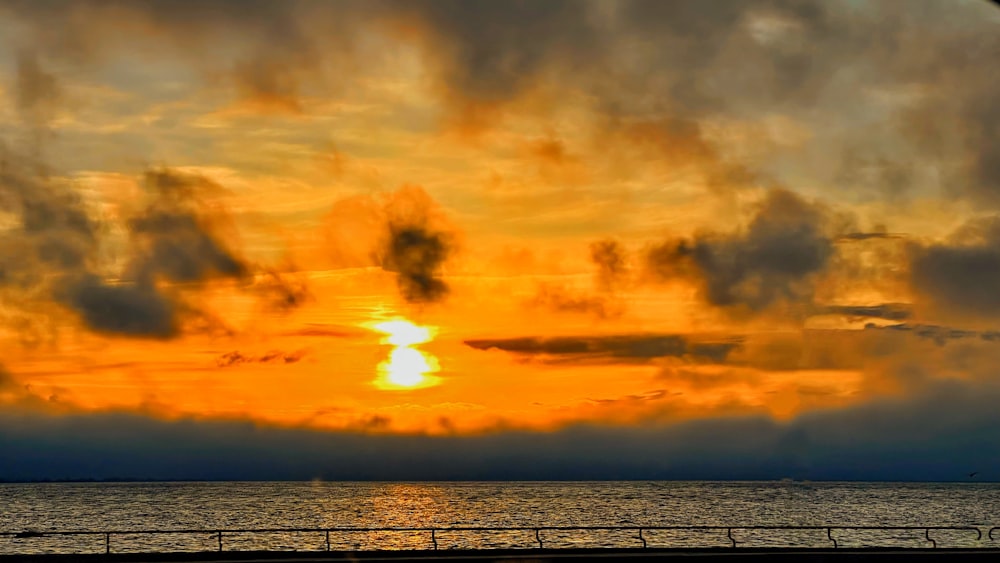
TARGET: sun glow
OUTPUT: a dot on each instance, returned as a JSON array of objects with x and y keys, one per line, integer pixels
[{"x": 406, "y": 367}]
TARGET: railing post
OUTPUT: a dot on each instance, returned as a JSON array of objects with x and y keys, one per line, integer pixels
[
  {"x": 829, "y": 534},
  {"x": 642, "y": 539},
  {"x": 328, "y": 540},
  {"x": 107, "y": 543},
  {"x": 729, "y": 534},
  {"x": 220, "y": 540},
  {"x": 927, "y": 534},
  {"x": 538, "y": 538},
  {"x": 434, "y": 539}
]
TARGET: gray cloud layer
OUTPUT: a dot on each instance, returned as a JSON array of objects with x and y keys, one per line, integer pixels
[
  {"x": 645, "y": 62},
  {"x": 894, "y": 440}
]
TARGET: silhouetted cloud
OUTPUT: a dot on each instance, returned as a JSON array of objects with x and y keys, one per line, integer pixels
[
  {"x": 273, "y": 357},
  {"x": 130, "y": 309},
  {"x": 774, "y": 260},
  {"x": 624, "y": 348},
  {"x": 938, "y": 334},
  {"x": 888, "y": 311},
  {"x": 859, "y": 236},
  {"x": 416, "y": 253}
]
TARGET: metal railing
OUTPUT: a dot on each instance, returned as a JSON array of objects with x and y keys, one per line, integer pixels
[{"x": 433, "y": 532}]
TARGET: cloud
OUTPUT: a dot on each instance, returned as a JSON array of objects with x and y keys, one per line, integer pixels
[
  {"x": 282, "y": 292},
  {"x": 38, "y": 92},
  {"x": 889, "y": 440},
  {"x": 560, "y": 299},
  {"x": 623, "y": 348},
  {"x": 272, "y": 51},
  {"x": 888, "y": 311},
  {"x": 51, "y": 254},
  {"x": 488, "y": 54},
  {"x": 860, "y": 236},
  {"x": 611, "y": 260},
  {"x": 236, "y": 357},
  {"x": 416, "y": 254},
  {"x": 959, "y": 277},
  {"x": 128, "y": 309},
  {"x": 773, "y": 261},
  {"x": 174, "y": 237},
  {"x": 403, "y": 231},
  {"x": 940, "y": 335}
]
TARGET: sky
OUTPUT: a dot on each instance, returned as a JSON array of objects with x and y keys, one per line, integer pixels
[{"x": 449, "y": 239}]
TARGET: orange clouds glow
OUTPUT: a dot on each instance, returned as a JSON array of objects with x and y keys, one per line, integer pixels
[{"x": 458, "y": 217}]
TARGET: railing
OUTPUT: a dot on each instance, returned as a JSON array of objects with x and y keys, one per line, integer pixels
[{"x": 219, "y": 534}]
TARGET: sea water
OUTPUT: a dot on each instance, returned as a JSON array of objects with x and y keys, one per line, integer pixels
[{"x": 122, "y": 507}]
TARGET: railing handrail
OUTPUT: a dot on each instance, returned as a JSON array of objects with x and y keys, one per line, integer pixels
[{"x": 434, "y": 530}]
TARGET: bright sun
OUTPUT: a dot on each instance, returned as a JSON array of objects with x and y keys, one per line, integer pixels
[{"x": 406, "y": 367}]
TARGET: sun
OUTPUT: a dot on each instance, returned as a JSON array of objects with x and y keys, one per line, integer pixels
[
  {"x": 402, "y": 332},
  {"x": 406, "y": 367}
]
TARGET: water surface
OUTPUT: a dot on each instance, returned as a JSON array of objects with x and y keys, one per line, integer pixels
[{"x": 232, "y": 505}]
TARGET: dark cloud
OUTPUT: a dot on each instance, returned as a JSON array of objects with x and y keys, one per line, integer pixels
[
  {"x": 611, "y": 260},
  {"x": 53, "y": 236},
  {"x": 658, "y": 69},
  {"x": 236, "y": 357},
  {"x": 128, "y": 309},
  {"x": 960, "y": 277},
  {"x": 174, "y": 237},
  {"x": 859, "y": 236},
  {"x": 489, "y": 53},
  {"x": 891, "y": 440},
  {"x": 171, "y": 241},
  {"x": 774, "y": 260},
  {"x": 625, "y": 348},
  {"x": 403, "y": 231},
  {"x": 940, "y": 335},
  {"x": 52, "y": 254},
  {"x": 416, "y": 253},
  {"x": 271, "y": 50},
  {"x": 888, "y": 311}
]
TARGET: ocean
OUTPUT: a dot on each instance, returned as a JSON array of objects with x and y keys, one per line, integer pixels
[{"x": 239, "y": 505}]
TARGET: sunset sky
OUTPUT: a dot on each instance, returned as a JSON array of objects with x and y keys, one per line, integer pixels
[{"x": 635, "y": 238}]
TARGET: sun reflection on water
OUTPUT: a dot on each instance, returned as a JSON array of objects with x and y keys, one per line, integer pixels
[{"x": 406, "y": 367}]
